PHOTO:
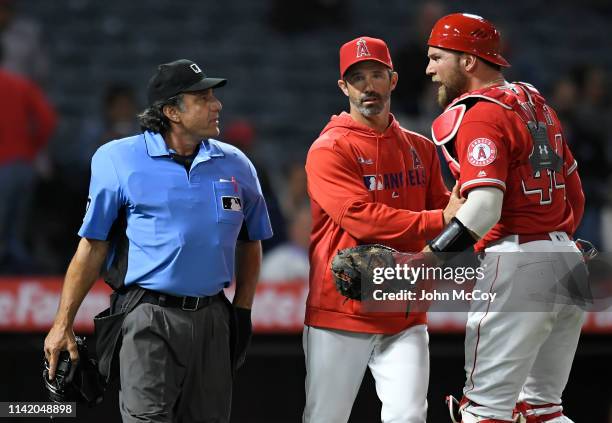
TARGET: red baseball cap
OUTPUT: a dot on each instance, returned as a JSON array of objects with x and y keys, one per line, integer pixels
[{"x": 361, "y": 49}]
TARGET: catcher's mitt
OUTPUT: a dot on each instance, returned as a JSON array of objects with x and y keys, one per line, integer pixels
[{"x": 353, "y": 266}]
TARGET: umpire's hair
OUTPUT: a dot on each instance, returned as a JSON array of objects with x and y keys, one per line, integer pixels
[{"x": 153, "y": 118}]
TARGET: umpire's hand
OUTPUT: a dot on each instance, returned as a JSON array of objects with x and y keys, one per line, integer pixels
[
  {"x": 60, "y": 338},
  {"x": 244, "y": 334}
]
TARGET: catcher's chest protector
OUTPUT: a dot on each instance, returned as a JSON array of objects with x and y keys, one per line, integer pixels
[{"x": 520, "y": 97}]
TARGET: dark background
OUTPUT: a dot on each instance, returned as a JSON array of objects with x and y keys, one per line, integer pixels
[{"x": 281, "y": 60}]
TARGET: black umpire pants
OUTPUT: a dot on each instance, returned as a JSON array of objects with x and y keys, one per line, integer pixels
[{"x": 175, "y": 365}]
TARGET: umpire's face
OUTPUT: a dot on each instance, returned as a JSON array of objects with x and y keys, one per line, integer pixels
[{"x": 199, "y": 114}]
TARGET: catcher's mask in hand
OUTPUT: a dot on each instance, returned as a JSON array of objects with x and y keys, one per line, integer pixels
[{"x": 74, "y": 382}]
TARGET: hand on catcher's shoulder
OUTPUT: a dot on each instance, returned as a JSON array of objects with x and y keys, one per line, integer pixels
[{"x": 454, "y": 204}]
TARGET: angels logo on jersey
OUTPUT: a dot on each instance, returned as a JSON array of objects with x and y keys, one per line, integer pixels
[
  {"x": 481, "y": 152},
  {"x": 416, "y": 160}
]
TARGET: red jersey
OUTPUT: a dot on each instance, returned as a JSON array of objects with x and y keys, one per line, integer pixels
[
  {"x": 487, "y": 142},
  {"x": 367, "y": 188},
  {"x": 27, "y": 119}
]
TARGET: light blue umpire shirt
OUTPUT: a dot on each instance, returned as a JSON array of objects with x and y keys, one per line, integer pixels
[{"x": 182, "y": 227}]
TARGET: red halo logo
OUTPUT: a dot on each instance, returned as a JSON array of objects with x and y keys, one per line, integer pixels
[{"x": 481, "y": 152}]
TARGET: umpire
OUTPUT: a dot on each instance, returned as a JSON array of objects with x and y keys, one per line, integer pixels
[{"x": 171, "y": 212}]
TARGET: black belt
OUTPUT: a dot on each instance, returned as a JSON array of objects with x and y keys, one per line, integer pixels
[{"x": 184, "y": 303}]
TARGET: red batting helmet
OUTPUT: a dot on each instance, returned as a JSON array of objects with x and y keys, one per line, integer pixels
[{"x": 468, "y": 33}]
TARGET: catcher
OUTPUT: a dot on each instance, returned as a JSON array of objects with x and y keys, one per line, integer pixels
[{"x": 505, "y": 145}]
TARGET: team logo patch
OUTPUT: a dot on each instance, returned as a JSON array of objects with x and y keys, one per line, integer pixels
[
  {"x": 232, "y": 203},
  {"x": 481, "y": 152},
  {"x": 362, "y": 48}
]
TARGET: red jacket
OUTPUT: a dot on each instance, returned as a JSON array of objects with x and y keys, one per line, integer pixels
[
  {"x": 400, "y": 207},
  {"x": 27, "y": 119}
]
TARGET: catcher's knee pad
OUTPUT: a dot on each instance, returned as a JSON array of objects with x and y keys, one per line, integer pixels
[{"x": 541, "y": 413}]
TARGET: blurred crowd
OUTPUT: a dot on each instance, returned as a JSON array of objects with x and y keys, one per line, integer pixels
[{"x": 42, "y": 200}]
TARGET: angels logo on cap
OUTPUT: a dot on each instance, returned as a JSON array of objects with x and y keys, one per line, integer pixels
[
  {"x": 481, "y": 152},
  {"x": 362, "y": 48}
]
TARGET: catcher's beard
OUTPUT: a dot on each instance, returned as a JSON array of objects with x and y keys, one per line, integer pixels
[{"x": 451, "y": 89}]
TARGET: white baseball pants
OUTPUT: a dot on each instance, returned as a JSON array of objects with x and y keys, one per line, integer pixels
[
  {"x": 526, "y": 355},
  {"x": 336, "y": 362}
]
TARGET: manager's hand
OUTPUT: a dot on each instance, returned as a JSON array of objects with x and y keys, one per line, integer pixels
[{"x": 454, "y": 204}]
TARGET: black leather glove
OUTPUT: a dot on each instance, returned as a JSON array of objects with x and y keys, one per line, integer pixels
[{"x": 245, "y": 332}]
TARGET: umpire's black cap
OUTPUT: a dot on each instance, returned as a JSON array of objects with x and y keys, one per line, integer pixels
[{"x": 180, "y": 76}]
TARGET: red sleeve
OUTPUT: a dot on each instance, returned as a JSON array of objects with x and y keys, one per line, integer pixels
[
  {"x": 43, "y": 117},
  {"x": 437, "y": 193},
  {"x": 483, "y": 156},
  {"x": 573, "y": 186},
  {"x": 569, "y": 163},
  {"x": 338, "y": 188}
]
